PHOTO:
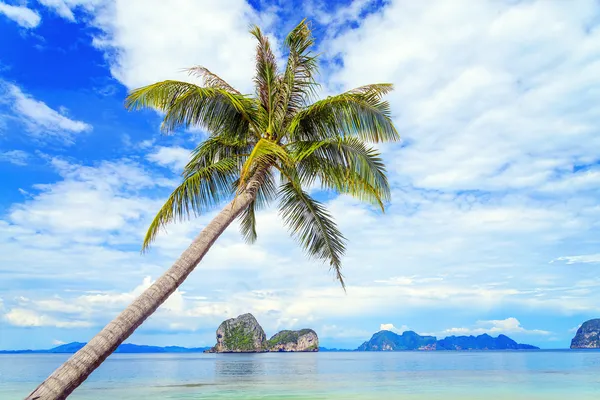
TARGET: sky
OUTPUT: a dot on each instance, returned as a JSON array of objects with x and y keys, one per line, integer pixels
[{"x": 494, "y": 221}]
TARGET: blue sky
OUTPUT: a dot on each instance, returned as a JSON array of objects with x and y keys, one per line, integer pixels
[{"x": 495, "y": 217}]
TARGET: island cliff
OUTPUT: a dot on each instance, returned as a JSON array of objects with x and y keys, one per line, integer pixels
[
  {"x": 587, "y": 336},
  {"x": 245, "y": 335},
  {"x": 302, "y": 340},
  {"x": 240, "y": 335}
]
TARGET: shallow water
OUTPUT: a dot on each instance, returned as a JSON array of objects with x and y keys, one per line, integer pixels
[{"x": 536, "y": 375}]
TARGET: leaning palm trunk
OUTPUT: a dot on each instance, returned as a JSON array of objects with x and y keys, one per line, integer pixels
[{"x": 73, "y": 372}]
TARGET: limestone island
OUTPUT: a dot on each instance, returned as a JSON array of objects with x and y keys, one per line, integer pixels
[
  {"x": 245, "y": 335},
  {"x": 587, "y": 336}
]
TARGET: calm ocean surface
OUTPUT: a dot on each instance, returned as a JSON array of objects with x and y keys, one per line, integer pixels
[{"x": 548, "y": 375}]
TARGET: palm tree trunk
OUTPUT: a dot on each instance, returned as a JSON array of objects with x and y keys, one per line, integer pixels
[{"x": 76, "y": 369}]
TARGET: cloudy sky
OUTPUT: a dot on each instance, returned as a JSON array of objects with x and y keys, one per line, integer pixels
[{"x": 495, "y": 216}]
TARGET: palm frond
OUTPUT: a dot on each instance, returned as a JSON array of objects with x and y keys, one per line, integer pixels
[
  {"x": 199, "y": 192},
  {"x": 248, "y": 223},
  {"x": 346, "y": 165},
  {"x": 186, "y": 104},
  {"x": 360, "y": 112},
  {"x": 267, "y": 191},
  {"x": 266, "y": 79},
  {"x": 311, "y": 224},
  {"x": 210, "y": 79},
  {"x": 214, "y": 149},
  {"x": 264, "y": 154},
  {"x": 298, "y": 83}
]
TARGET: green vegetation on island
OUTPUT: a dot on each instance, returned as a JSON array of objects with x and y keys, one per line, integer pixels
[{"x": 245, "y": 335}]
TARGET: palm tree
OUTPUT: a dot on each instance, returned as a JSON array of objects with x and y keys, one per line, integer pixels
[{"x": 261, "y": 148}]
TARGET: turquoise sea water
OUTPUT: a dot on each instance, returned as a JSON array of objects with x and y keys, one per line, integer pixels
[{"x": 548, "y": 375}]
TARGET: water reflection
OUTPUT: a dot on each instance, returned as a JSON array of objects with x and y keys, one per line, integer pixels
[{"x": 240, "y": 366}]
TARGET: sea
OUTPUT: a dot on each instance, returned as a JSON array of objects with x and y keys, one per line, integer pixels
[{"x": 489, "y": 375}]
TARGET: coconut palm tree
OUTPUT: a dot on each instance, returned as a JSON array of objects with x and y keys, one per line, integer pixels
[{"x": 270, "y": 146}]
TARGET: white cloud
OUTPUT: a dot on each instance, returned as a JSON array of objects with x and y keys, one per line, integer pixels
[
  {"x": 62, "y": 7},
  {"x": 57, "y": 342},
  {"x": 89, "y": 200},
  {"x": 495, "y": 327},
  {"x": 476, "y": 119},
  {"x": 25, "y": 17},
  {"x": 94, "y": 309},
  {"x": 584, "y": 259},
  {"x": 408, "y": 280},
  {"x": 42, "y": 121},
  {"x": 139, "y": 33},
  {"x": 17, "y": 157},
  {"x": 392, "y": 328},
  {"x": 28, "y": 318},
  {"x": 341, "y": 15},
  {"x": 173, "y": 157}
]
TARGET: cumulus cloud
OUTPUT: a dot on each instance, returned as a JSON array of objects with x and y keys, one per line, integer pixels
[
  {"x": 173, "y": 157},
  {"x": 476, "y": 119},
  {"x": 24, "y": 16},
  {"x": 217, "y": 36},
  {"x": 40, "y": 120},
  {"x": 89, "y": 199},
  {"x": 503, "y": 326}
]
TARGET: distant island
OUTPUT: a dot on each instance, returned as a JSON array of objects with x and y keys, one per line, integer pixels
[
  {"x": 125, "y": 348},
  {"x": 409, "y": 340},
  {"x": 587, "y": 336}
]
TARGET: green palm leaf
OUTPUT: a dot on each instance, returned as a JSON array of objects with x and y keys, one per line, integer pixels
[
  {"x": 297, "y": 84},
  {"x": 266, "y": 80},
  {"x": 360, "y": 112},
  {"x": 266, "y": 193},
  {"x": 214, "y": 149},
  {"x": 185, "y": 104},
  {"x": 265, "y": 154},
  {"x": 311, "y": 224},
  {"x": 199, "y": 191},
  {"x": 346, "y": 165}
]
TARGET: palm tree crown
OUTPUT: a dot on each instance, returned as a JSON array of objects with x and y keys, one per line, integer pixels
[{"x": 280, "y": 141}]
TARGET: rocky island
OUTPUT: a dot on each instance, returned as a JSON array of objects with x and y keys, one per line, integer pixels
[
  {"x": 390, "y": 341},
  {"x": 302, "y": 340},
  {"x": 587, "y": 336},
  {"x": 245, "y": 335}
]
